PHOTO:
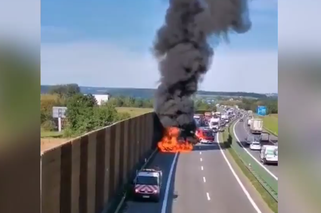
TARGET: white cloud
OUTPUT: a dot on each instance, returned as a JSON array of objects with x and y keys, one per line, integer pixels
[{"x": 103, "y": 64}]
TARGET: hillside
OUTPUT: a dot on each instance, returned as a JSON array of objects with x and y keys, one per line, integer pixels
[{"x": 149, "y": 93}]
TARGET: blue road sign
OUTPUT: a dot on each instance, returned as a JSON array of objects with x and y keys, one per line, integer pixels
[{"x": 261, "y": 110}]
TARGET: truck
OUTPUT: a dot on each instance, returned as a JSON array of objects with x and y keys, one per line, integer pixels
[
  {"x": 225, "y": 117},
  {"x": 249, "y": 121},
  {"x": 256, "y": 126},
  {"x": 214, "y": 123},
  {"x": 147, "y": 184}
]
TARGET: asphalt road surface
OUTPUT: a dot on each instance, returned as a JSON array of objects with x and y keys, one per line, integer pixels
[
  {"x": 242, "y": 132},
  {"x": 205, "y": 180}
]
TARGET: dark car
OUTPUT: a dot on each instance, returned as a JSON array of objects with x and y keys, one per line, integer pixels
[{"x": 241, "y": 120}]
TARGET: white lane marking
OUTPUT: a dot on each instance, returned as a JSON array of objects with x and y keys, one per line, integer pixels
[
  {"x": 202, "y": 168},
  {"x": 204, "y": 180},
  {"x": 266, "y": 169},
  {"x": 169, "y": 178},
  {"x": 238, "y": 179},
  {"x": 201, "y": 159},
  {"x": 200, "y": 153},
  {"x": 208, "y": 196}
]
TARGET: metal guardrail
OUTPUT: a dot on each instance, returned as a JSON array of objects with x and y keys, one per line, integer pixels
[
  {"x": 262, "y": 176},
  {"x": 269, "y": 131}
]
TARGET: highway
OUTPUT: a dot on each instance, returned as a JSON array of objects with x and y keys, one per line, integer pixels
[
  {"x": 242, "y": 132},
  {"x": 205, "y": 180}
]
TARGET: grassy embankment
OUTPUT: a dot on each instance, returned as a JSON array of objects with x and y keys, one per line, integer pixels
[
  {"x": 134, "y": 111},
  {"x": 270, "y": 123}
]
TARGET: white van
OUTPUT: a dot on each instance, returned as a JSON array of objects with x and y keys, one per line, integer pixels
[{"x": 269, "y": 154}]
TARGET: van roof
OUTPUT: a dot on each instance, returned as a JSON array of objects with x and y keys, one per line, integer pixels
[{"x": 148, "y": 174}]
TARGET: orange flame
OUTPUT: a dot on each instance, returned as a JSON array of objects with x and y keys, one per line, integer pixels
[{"x": 171, "y": 143}]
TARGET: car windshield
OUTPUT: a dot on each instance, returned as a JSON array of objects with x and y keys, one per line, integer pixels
[
  {"x": 144, "y": 180},
  {"x": 256, "y": 143}
]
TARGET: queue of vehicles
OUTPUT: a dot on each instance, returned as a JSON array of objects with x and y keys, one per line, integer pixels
[
  {"x": 268, "y": 153},
  {"x": 210, "y": 123}
]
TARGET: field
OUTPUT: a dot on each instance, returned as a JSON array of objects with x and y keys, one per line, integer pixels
[
  {"x": 134, "y": 111},
  {"x": 51, "y": 139},
  {"x": 270, "y": 123},
  {"x": 49, "y": 134}
]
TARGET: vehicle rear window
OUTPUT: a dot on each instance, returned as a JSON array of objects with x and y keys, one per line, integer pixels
[
  {"x": 144, "y": 180},
  {"x": 271, "y": 152}
]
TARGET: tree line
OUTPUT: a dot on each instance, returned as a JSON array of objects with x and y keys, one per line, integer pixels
[
  {"x": 83, "y": 113},
  {"x": 252, "y": 104},
  {"x": 123, "y": 101}
]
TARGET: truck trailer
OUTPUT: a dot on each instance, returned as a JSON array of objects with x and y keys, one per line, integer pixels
[{"x": 256, "y": 126}]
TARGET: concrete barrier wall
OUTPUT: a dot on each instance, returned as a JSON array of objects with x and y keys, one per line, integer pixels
[{"x": 87, "y": 173}]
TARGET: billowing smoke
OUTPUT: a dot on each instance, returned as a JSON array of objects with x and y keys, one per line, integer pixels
[{"x": 185, "y": 55}]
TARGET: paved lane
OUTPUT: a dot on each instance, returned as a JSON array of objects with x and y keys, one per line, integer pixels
[
  {"x": 213, "y": 189},
  {"x": 163, "y": 161},
  {"x": 201, "y": 181},
  {"x": 242, "y": 132}
]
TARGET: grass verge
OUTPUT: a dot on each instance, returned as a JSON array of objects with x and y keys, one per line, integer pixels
[
  {"x": 51, "y": 134},
  {"x": 270, "y": 123},
  {"x": 133, "y": 111},
  {"x": 273, "y": 205}
]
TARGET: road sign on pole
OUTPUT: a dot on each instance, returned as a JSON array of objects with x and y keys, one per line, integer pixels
[
  {"x": 59, "y": 112},
  {"x": 261, "y": 110}
]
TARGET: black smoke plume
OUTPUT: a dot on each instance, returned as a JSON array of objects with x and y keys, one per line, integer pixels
[{"x": 185, "y": 55}]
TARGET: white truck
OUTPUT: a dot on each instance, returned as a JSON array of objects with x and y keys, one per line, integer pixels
[
  {"x": 269, "y": 154},
  {"x": 249, "y": 121},
  {"x": 256, "y": 126},
  {"x": 225, "y": 118},
  {"x": 214, "y": 123}
]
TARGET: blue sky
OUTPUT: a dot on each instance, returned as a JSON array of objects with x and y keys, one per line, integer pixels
[{"x": 106, "y": 43}]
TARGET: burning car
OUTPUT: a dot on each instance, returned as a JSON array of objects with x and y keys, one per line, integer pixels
[
  {"x": 176, "y": 140},
  {"x": 205, "y": 135}
]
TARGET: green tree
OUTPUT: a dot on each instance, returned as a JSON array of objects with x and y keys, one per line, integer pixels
[
  {"x": 115, "y": 101},
  {"x": 201, "y": 105},
  {"x": 105, "y": 115},
  {"x": 66, "y": 90},
  {"x": 83, "y": 114},
  {"x": 252, "y": 104},
  {"x": 80, "y": 113}
]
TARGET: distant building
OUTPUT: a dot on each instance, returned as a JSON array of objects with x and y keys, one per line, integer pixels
[{"x": 101, "y": 98}]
